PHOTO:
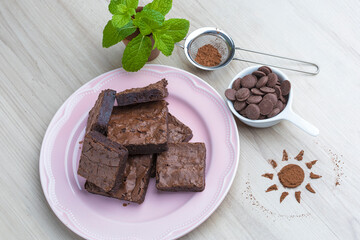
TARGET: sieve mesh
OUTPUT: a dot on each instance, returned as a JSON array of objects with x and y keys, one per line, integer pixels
[{"x": 208, "y": 38}]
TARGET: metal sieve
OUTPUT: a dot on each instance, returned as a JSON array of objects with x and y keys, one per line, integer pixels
[{"x": 226, "y": 47}]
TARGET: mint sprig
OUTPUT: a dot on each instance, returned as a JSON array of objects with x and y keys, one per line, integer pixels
[{"x": 150, "y": 22}]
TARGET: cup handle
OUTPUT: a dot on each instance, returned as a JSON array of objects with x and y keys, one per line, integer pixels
[{"x": 302, "y": 124}]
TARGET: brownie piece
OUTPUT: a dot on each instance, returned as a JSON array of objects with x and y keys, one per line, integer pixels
[
  {"x": 153, "y": 168},
  {"x": 153, "y": 92},
  {"x": 141, "y": 128},
  {"x": 99, "y": 115},
  {"x": 178, "y": 132},
  {"x": 135, "y": 183},
  {"x": 181, "y": 168},
  {"x": 102, "y": 161}
]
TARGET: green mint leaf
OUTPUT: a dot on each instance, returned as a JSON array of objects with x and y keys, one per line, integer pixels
[
  {"x": 113, "y": 6},
  {"x": 132, "y": 11},
  {"x": 176, "y": 28},
  {"x": 132, "y": 3},
  {"x": 162, "y": 6},
  {"x": 147, "y": 20},
  {"x": 112, "y": 35},
  {"x": 117, "y": 6},
  {"x": 164, "y": 43},
  {"x": 144, "y": 27},
  {"x": 136, "y": 53},
  {"x": 122, "y": 9},
  {"x": 121, "y": 19}
]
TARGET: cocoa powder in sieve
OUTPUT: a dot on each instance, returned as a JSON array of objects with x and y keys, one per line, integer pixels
[{"x": 208, "y": 56}]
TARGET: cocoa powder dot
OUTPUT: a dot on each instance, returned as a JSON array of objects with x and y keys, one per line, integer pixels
[{"x": 291, "y": 176}]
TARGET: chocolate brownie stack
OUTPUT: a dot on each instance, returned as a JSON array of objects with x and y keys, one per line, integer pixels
[{"x": 126, "y": 144}]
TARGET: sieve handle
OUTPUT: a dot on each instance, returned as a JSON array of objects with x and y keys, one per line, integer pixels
[
  {"x": 281, "y": 57},
  {"x": 179, "y": 45}
]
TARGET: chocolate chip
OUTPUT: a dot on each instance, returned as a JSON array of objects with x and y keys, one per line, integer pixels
[
  {"x": 267, "y": 90},
  {"x": 266, "y": 106},
  {"x": 285, "y": 87},
  {"x": 277, "y": 91},
  {"x": 254, "y": 99},
  {"x": 273, "y": 78},
  {"x": 271, "y": 97},
  {"x": 273, "y": 113},
  {"x": 252, "y": 111},
  {"x": 242, "y": 94},
  {"x": 249, "y": 81},
  {"x": 239, "y": 105},
  {"x": 257, "y": 91},
  {"x": 262, "y": 82},
  {"x": 279, "y": 105},
  {"x": 259, "y": 74},
  {"x": 265, "y": 69},
  {"x": 236, "y": 85},
  {"x": 230, "y": 94},
  {"x": 282, "y": 99},
  {"x": 243, "y": 112},
  {"x": 262, "y": 117}
]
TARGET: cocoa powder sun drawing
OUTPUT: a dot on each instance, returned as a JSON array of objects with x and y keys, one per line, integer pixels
[{"x": 291, "y": 176}]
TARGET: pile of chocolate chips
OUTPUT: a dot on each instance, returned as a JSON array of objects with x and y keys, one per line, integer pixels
[{"x": 259, "y": 95}]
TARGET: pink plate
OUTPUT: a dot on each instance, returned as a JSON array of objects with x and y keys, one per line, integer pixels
[{"x": 163, "y": 215}]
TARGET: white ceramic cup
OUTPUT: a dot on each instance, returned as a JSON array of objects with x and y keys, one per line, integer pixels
[{"x": 286, "y": 114}]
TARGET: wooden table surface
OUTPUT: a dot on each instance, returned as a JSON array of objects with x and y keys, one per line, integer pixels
[{"x": 48, "y": 49}]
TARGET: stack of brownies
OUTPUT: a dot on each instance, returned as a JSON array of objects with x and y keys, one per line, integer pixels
[{"x": 125, "y": 145}]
